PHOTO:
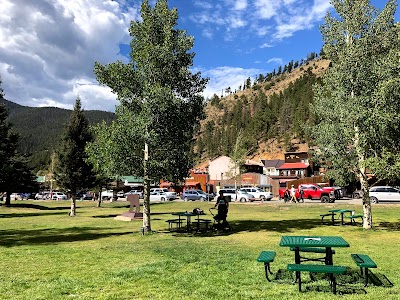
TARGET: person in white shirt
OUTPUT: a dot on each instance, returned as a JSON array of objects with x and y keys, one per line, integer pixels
[{"x": 293, "y": 194}]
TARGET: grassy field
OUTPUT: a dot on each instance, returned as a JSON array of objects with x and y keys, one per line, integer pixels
[{"x": 44, "y": 254}]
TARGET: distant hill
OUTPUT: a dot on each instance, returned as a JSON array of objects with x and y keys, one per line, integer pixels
[
  {"x": 40, "y": 128},
  {"x": 270, "y": 112}
]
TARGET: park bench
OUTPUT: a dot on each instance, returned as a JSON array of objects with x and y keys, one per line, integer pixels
[
  {"x": 354, "y": 217},
  {"x": 267, "y": 257},
  {"x": 331, "y": 214},
  {"x": 366, "y": 262},
  {"x": 328, "y": 269},
  {"x": 312, "y": 250},
  {"x": 177, "y": 222}
]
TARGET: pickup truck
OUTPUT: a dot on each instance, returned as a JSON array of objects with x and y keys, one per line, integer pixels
[
  {"x": 108, "y": 195},
  {"x": 314, "y": 191}
]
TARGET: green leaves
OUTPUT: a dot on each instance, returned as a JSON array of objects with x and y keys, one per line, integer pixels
[
  {"x": 160, "y": 101},
  {"x": 357, "y": 105}
]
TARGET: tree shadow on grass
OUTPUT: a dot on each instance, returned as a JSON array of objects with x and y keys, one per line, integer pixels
[
  {"x": 12, "y": 238},
  {"x": 36, "y": 206},
  {"x": 22, "y": 215},
  {"x": 283, "y": 226},
  {"x": 390, "y": 226}
]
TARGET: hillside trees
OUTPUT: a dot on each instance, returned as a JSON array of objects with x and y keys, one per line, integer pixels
[
  {"x": 260, "y": 117},
  {"x": 73, "y": 172},
  {"x": 357, "y": 105},
  {"x": 15, "y": 175},
  {"x": 160, "y": 104}
]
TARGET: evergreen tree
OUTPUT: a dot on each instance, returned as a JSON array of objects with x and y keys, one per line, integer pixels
[
  {"x": 73, "y": 173},
  {"x": 15, "y": 175}
]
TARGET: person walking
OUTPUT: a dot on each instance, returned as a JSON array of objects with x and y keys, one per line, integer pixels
[{"x": 293, "y": 194}]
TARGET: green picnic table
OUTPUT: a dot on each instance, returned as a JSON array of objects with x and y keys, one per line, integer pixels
[
  {"x": 309, "y": 242},
  {"x": 342, "y": 212}
]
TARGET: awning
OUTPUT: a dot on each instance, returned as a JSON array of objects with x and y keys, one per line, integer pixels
[
  {"x": 192, "y": 183},
  {"x": 291, "y": 166},
  {"x": 166, "y": 184}
]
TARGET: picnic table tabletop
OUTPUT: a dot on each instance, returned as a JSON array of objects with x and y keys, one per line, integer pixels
[{"x": 313, "y": 241}]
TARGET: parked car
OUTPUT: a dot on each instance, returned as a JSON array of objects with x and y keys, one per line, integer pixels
[
  {"x": 384, "y": 193},
  {"x": 161, "y": 196},
  {"x": 196, "y": 195},
  {"x": 58, "y": 196},
  {"x": 42, "y": 195},
  {"x": 164, "y": 190},
  {"x": 258, "y": 193},
  {"x": 121, "y": 194},
  {"x": 84, "y": 196},
  {"x": 140, "y": 193},
  {"x": 237, "y": 195},
  {"x": 108, "y": 195}
]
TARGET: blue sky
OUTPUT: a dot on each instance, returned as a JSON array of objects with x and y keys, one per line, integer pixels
[{"x": 49, "y": 48}]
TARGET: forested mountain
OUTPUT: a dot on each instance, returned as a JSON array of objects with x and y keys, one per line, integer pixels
[
  {"x": 270, "y": 111},
  {"x": 40, "y": 128}
]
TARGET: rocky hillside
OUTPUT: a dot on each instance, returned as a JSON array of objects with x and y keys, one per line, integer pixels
[{"x": 270, "y": 114}]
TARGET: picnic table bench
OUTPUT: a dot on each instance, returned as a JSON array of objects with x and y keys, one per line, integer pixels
[
  {"x": 354, "y": 217},
  {"x": 267, "y": 257},
  {"x": 329, "y": 269},
  {"x": 177, "y": 222},
  {"x": 331, "y": 214},
  {"x": 366, "y": 262}
]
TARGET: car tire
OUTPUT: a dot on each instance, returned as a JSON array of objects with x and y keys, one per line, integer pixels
[
  {"x": 185, "y": 199},
  {"x": 242, "y": 199},
  {"x": 356, "y": 196},
  {"x": 324, "y": 199},
  {"x": 373, "y": 200},
  {"x": 201, "y": 199},
  {"x": 262, "y": 197},
  {"x": 162, "y": 199}
]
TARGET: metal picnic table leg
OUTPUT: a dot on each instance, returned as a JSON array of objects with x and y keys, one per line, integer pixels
[{"x": 297, "y": 261}]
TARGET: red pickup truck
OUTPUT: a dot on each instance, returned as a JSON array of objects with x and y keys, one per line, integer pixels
[{"x": 314, "y": 191}]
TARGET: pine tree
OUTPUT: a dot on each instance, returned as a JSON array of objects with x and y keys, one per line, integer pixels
[
  {"x": 15, "y": 175},
  {"x": 73, "y": 173}
]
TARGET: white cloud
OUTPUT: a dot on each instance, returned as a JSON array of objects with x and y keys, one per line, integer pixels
[
  {"x": 49, "y": 46},
  {"x": 240, "y": 4},
  {"x": 276, "y": 60},
  {"x": 224, "y": 77},
  {"x": 266, "y": 45}
]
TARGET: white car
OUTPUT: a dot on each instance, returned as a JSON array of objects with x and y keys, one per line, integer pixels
[
  {"x": 384, "y": 193},
  {"x": 161, "y": 196},
  {"x": 258, "y": 193},
  {"x": 164, "y": 190},
  {"x": 58, "y": 196},
  {"x": 241, "y": 196}
]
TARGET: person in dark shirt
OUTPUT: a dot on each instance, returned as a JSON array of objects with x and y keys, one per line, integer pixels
[{"x": 223, "y": 207}]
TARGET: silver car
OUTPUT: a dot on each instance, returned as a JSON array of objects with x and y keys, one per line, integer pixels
[
  {"x": 384, "y": 193},
  {"x": 161, "y": 196}
]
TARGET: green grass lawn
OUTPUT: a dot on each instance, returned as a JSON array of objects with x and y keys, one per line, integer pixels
[{"x": 45, "y": 254}]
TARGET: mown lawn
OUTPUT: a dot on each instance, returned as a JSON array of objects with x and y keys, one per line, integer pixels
[{"x": 45, "y": 254}]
